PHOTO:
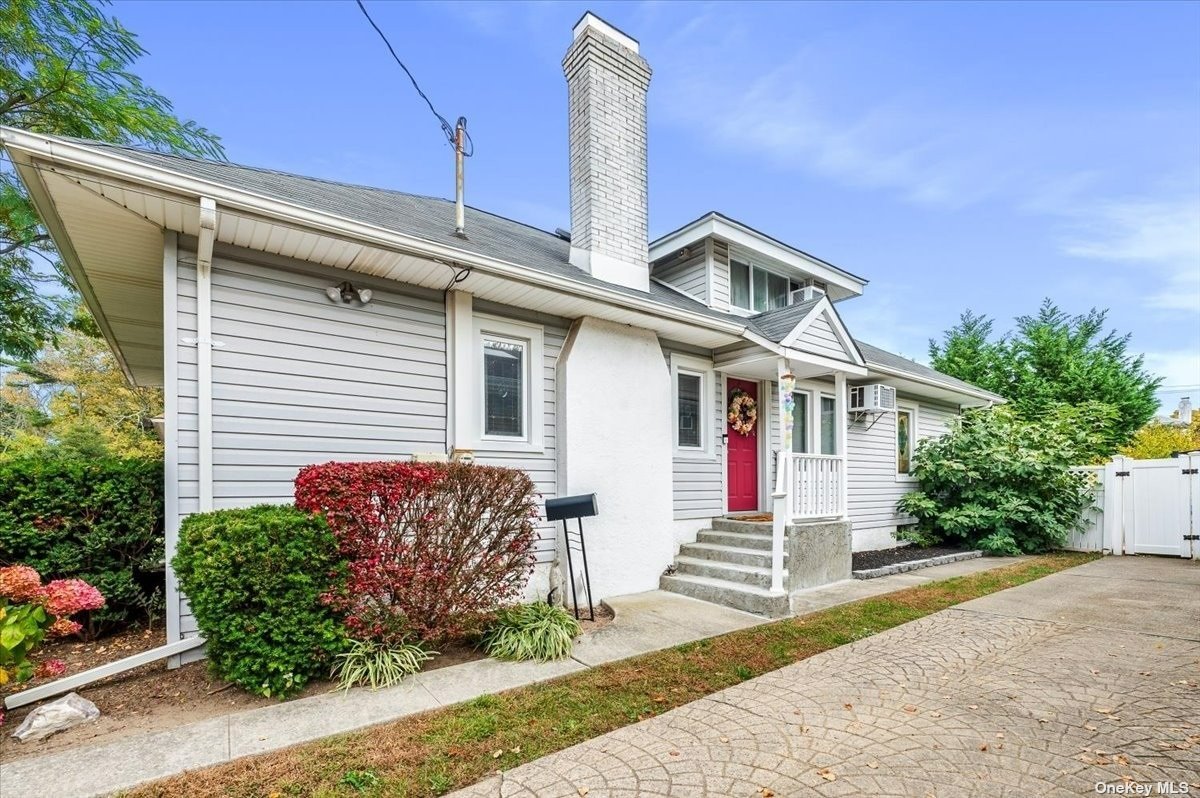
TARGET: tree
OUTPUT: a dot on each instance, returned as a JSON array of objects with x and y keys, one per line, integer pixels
[
  {"x": 64, "y": 69},
  {"x": 1000, "y": 482},
  {"x": 1052, "y": 359},
  {"x": 74, "y": 396},
  {"x": 1158, "y": 439}
]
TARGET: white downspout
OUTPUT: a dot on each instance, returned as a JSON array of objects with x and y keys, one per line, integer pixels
[{"x": 204, "y": 345}]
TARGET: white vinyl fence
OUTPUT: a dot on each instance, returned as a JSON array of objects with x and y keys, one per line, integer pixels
[{"x": 1143, "y": 507}]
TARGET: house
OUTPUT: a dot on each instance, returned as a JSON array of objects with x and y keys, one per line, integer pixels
[{"x": 292, "y": 320}]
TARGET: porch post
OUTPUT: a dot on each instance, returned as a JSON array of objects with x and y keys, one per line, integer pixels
[
  {"x": 841, "y": 420},
  {"x": 782, "y": 499}
]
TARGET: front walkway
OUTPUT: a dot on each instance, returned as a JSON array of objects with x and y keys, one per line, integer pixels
[
  {"x": 644, "y": 622},
  {"x": 1088, "y": 676}
]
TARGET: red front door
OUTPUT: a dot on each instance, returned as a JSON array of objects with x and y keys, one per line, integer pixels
[{"x": 741, "y": 455}]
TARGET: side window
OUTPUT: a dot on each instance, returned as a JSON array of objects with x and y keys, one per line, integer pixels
[
  {"x": 688, "y": 418},
  {"x": 800, "y": 436},
  {"x": 505, "y": 388},
  {"x": 904, "y": 441},
  {"x": 828, "y": 425}
]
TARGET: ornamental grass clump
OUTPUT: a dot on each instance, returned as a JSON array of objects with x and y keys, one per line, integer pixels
[
  {"x": 30, "y": 612},
  {"x": 1000, "y": 483},
  {"x": 538, "y": 631},
  {"x": 368, "y": 663},
  {"x": 430, "y": 547}
]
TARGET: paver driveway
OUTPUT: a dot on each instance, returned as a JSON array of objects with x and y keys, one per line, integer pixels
[{"x": 1084, "y": 677}]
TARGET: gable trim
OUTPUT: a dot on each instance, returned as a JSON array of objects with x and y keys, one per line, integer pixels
[{"x": 825, "y": 309}]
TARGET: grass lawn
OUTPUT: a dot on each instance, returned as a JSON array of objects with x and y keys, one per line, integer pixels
[{"x": 437, "y": 751}]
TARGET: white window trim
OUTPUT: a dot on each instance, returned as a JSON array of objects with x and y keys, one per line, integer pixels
[
  {"x": 532, "y": 336},
  {"x": 704, "y": 370},
  {"x": 820, "y": 445},
  {"x": 913, "y": 438},
  {"x": 813, "y": 434},
  {"x": 742, "y": 256}
]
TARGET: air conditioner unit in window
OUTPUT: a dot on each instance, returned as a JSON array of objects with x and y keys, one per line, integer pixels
[
  {"x": 804, "y": 294},
  {"x": 872, "y": 399}
]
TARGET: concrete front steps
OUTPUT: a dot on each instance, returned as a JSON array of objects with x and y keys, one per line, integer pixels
[{"x": 729, "y": 564}]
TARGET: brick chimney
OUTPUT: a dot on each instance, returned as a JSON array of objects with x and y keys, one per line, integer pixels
[{"x": 606, "y": 94}]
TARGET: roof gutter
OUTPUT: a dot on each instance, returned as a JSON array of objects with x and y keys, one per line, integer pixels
[
  {"x": 986, "y": 396},
  {"x": 237, "y": 199}
]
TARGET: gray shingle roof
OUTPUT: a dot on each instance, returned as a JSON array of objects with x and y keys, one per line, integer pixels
[
  {"x": 432, "y": 219},
  {"x": 774, "y": 325},
  {"x": 428, "y": 218},
  {"x": 881, "y": 357}
]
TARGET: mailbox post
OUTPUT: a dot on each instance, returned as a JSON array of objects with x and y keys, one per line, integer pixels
[{"x": 577, "y": 507}]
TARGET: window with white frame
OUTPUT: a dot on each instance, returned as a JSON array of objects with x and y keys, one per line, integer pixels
[
  {"x": 828, "y": 425},
  {"x": 510, "y": 401},
  {"x": 691, "y": 387},
  {"x": 801, "y": 439},
  {"x": 755, "y": 288},
  {"x": 906, "y": 439}
]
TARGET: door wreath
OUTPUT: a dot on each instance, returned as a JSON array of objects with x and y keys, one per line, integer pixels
[{"x": 743, "y": 412}]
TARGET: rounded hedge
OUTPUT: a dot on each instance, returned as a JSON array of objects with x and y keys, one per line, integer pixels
[
  {"x": 99, "y": 520},
  {"x": 254, "y": 578}
]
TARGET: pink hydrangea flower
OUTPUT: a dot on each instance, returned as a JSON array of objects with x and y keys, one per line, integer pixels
[
  {"x": 64, "y": 627},
  {"x": 67, "y": 596},
  {"x": 50, "y": 669},
  {"x": 20, "y": 583}
]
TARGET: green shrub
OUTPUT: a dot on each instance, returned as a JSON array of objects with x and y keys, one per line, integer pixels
[
  {"x": 254, "y": 578},
  {"x": 531, "y": 631},
  {"x": 99, "y": 520},
  {"x": 999, "y": 483},
  {"x": 375, "y": 665}
]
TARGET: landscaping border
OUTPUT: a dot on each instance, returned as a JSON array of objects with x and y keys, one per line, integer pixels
[
  {"x": 913, "y": 565},
  {"x": 436, "y": 751}
]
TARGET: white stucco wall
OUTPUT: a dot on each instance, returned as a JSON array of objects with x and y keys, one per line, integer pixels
[{"x": 615, "y": 441}]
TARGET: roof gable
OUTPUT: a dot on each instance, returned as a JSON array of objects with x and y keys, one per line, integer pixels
[{"x": 811, "y": 326}]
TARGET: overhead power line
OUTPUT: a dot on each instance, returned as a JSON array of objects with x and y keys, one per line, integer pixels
[{"x": 447, "y": 128}]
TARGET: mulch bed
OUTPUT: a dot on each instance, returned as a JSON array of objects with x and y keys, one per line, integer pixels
[
  {"x": 152, "y": 698},
  {"x": 866, "y": 560}
]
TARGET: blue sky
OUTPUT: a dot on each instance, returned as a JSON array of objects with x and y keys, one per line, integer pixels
[{"x": 958, "y": 155}]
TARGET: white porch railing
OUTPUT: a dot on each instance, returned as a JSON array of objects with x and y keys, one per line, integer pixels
[
  {"x": 816, "y": 486},
  {"x": 806, "y": 486}
]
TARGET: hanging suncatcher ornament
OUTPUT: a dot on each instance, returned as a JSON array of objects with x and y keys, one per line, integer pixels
[{"x": 743, "y": 412}]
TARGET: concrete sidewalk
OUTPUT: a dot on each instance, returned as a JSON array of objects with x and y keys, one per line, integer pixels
[{"x": 643, "y": 623}]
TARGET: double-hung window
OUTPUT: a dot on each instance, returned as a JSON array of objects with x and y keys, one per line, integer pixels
[
  {"x": 756, "y": 289},
  {"x": 509, "y": 393},
  {"x": 692, "y": 391}
]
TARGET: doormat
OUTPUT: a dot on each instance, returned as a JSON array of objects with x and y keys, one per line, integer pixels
[{"x": 756, "y": 517}]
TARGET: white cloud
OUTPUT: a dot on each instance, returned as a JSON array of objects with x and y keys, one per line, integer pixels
[
  {"x": 1161, "y": 234},
  {"x": 1179, "y": 368}
]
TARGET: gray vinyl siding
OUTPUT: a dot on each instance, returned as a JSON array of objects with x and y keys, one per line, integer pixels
[
  {"x": 720, "y": 280},
  {"x": 689, "y": 274},
  {"x": 698, "y": 486},
  {"x": 820, "y": 339},
  {"x": 299, "y": 380},
  {"x": 873, "y": 485}
]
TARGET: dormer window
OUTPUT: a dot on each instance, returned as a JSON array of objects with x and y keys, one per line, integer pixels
[{"x": 756, "y": 289}]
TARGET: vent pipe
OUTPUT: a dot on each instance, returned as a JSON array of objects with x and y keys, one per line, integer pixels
[{"x": 460, "y": 216}]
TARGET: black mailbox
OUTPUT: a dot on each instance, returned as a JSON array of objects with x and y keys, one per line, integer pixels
[
  {"x": 577, "y": 507},
  {"x": 565, "y": 507}
]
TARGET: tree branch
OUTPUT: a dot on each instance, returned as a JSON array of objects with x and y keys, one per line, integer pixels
[{"x": 14, "y": 246}]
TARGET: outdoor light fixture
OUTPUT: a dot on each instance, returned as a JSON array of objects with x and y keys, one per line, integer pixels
[{"x": 345, "y": 292}]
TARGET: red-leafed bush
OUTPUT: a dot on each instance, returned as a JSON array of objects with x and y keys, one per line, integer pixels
[{"x": 430, "y": 547}]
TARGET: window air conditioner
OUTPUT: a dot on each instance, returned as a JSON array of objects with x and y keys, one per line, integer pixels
[
  {"x": 872, "y": 399},
  {"x": 804, "y": 294}
]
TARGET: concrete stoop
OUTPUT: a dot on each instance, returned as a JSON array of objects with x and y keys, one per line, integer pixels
[{"x": 730, "y": 564}]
